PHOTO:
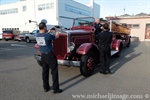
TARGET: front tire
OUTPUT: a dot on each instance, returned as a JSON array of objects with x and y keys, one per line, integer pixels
[
  {"x": 88, "y": 63},
  {"x": 28, "y": 40}
]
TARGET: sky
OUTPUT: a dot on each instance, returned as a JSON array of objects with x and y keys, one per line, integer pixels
[{"x": 113, "y": 7}]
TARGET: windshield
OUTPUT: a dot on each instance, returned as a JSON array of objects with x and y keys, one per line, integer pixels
[
  {"x": 35, "y": 31},
  {"x": 84, "y": 21},
  {"x": 8, "y": 32},
  {"x": 22, "y": 33}
]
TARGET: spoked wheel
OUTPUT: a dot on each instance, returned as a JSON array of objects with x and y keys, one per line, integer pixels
[{"x": 88, "y": 63}]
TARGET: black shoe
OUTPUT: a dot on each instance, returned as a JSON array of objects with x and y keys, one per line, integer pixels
[
  {"x": 102, "y": 72},
  {"x": 58, "y": 91},
  {"x": 109, "y": 72},
  {"x": 46, "y": 90}
]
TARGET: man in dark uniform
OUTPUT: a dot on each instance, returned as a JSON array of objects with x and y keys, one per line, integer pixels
[
  {"x": 105, "y": 50},
  {"x": 98, "y": 29},
  {"x": 48, "y": 58}
]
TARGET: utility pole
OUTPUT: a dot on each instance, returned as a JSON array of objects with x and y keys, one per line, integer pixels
[{"x": 34, "y": 11}]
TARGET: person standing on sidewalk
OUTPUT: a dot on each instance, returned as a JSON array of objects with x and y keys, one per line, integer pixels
[{"x": 48, "y": 58}]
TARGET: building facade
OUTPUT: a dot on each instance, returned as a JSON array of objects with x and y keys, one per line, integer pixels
[
  {"x": 16, "y": 16},
  {"x": 139, "y": 25}
]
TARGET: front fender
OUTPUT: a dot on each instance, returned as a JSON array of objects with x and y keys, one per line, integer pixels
[
  {"x": 85, "y": 47},
  {"x": 118, "y": 45}
]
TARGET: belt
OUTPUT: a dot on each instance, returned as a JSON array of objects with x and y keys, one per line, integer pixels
[{"x": 104, "y": 45}]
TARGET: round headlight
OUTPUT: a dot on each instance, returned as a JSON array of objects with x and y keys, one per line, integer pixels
[{"x": 71, "y": 46}]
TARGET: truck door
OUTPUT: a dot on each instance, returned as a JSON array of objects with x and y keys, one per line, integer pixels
[{"x": 33, "y": 35}]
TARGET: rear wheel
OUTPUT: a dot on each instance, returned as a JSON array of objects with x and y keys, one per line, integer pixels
[
  {"x": 28, "y": 40},
  {"x": 88, "y": 63},
  {"x": 128, "y": 45},
  {"x": 6, "y": 39}
]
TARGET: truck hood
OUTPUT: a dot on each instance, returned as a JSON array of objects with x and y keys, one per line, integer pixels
[{"x": 73, "y": 31}]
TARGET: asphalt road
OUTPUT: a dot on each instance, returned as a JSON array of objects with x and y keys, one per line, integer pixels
[{"x": 20, "y": 76}]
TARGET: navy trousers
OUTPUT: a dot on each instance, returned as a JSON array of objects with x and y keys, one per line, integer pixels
[
  {"x": 105, "y": 54},
  {"x": 49, "y": 61}
]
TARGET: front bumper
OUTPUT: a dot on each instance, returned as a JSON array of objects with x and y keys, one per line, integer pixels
[
  {"x": 7, "y": 37},
  {"x": 21, "y": 38},
  {"x": 62, "y": 62}
]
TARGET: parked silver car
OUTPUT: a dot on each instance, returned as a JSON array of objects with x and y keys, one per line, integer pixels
[
  {"x": 31, "y": 36},
  {"x": 22, "y": 36}
]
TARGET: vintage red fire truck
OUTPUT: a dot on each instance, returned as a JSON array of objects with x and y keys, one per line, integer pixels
[{"x": 76, "y": 47}]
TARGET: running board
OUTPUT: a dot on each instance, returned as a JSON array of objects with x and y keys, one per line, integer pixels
[{"x": 113, "y": 52}]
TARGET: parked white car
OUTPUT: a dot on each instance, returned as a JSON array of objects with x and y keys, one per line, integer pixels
[{"x": 1, "y": 37}]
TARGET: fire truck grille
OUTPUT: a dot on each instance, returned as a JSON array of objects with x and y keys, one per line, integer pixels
[{"x": 60, "y": 46}]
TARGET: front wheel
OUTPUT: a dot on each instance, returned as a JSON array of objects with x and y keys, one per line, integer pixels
[
  {"x": 88, "y": 63},
  {"x": 28, "y": 40}
]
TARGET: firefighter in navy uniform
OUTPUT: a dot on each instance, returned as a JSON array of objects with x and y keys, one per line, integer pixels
[
  {"x": 98, "y": 29},
  {"x": 48, "y": 58},
  {"x": 105, "y": 50}
]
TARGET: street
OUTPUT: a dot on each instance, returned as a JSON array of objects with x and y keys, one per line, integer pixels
[{"x": 21, "y": 79}]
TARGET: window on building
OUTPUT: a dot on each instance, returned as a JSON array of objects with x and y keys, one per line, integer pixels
[
  {"x": 77, "y": 10},
  {"x": 43, "y": 6},
  {"x": 48, "y": 6},
  {"x": 39, "y": 7},
  {"x": 51, "y": 5},
  {"x": 16, "y": 9},
  {"x": 135, "y": 25},
  {"x": 11, "y": 11},
  {"x": 8, "y": 11},
  {"x": 1, "y": 12},
  {"x": 23, "y": 8}
]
